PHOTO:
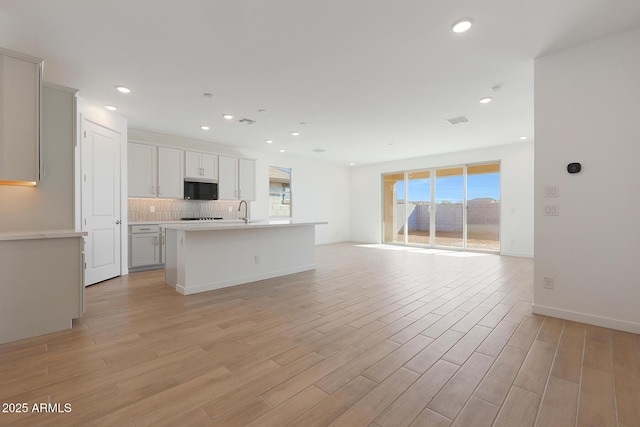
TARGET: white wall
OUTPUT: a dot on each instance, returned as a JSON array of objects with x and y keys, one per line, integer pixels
[
  {"x": 587, "y": 101},
  {"x": 516, "y": 193},
  {"x": 320, "y": 191}
]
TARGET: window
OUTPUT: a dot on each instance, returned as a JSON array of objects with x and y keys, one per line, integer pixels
[{"x": 279, "y": 192}]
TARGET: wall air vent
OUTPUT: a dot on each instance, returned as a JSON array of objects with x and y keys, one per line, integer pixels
[
  {"x": 247, "y": 121},
  {"x": 457, "y": 120},
  {"x": 318, "y": 150}
]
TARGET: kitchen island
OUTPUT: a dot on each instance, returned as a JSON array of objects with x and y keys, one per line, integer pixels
[{"x": 203, "y": 257}]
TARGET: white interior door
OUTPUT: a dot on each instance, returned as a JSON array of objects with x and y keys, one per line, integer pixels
[{"x": 101, "y": 201}]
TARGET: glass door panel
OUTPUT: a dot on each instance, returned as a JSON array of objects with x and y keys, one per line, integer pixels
[
  {"x": 449, "y": 207},
  {"x": 394, "y": 215},
  {"x": 483, "y": 207},
  {"x": 419, "y": 207}
]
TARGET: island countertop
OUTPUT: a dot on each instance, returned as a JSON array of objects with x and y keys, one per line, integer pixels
[{"x": 236, "y": 225}]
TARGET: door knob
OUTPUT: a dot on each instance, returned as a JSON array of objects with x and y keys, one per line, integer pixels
[{"x": 118, "y": 222}]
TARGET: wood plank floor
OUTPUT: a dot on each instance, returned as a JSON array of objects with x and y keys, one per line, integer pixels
[{"x": 374, "y": 336}]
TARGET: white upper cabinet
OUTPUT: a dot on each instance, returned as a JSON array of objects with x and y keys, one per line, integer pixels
[
  {"x": 201, "y": 165},
  {"x": 246, "y": 179},
  {"x": 170, "y": 173},
  {"x": 236, "y": 178},
  {"x": 142, "y": 175},
  {"x": 155, "y": 171},
  {"x": 19, "y": 117},
  {"x": 227, "y": 178}
]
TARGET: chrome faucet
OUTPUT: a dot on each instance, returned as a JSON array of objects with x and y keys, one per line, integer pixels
[{"x": 246, "y": 211}]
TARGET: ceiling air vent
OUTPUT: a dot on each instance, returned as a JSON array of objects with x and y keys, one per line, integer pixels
[
  {"x": 247, "y": 121},
  {"x": 457, "y": 120},
  {"x": 318, "y": 150}
]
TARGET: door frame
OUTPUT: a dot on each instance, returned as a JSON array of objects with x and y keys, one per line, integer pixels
[{"x": 87, "y": 110}]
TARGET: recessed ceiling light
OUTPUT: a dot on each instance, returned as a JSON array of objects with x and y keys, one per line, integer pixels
[
  {"x": 282, "y": 150},
  {"x": 351, "y": 164},
  {"x": 461, "y": 25},
  {"x": 207, "y": 95},
  {"x": 228, "y": 116},
  {"x": 110, "y": 107},
  {"x": 269, "y": 141},
  {"x": 295, "y": 133},
  {"x": 392, "y": 144},
  {"x": 123, "y": 89},
  {"x": 486, "y": 100},
  {"x": 523, "y": 137},
  {"x": 303, "y": 123},
  {"x": 262, "y": 110},
  {"x": 204, "y": 127}
]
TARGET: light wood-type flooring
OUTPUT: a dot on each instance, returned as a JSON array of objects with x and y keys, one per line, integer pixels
[{"x": 375, "y": 336}]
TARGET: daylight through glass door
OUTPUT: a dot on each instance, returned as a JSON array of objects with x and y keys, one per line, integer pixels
[{"x": 452, "y": 207}]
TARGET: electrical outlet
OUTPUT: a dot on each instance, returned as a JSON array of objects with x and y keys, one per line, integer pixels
[
  {"x": 551, "y": 210},
  {"x": 548, "y": 283},
  {"x": 257, "y": 259},
  {"x": 152, "y": 208}
]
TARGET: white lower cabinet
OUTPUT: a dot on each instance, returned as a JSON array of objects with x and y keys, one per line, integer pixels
[{"x": 146, "y": 246}]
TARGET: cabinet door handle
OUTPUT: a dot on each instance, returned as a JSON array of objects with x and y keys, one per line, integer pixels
[
  {"x": 159, "y": 190},
  {"x": 153, "y": 189},
  {"x": 118, "y": 222},
  {"x": 155, "y": 240}
]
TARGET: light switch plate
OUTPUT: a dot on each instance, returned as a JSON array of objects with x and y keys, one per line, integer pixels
[
  {"x": 552, "y": 191},
  {"x": 551, "y": 210}
]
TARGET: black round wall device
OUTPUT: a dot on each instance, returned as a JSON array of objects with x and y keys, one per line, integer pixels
[{"x": 574, "y": 167}]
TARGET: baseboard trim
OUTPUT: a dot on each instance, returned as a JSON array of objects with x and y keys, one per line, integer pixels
[
  {"x": 590, "y": 319},
  {"x": 516, "y": 254},
  {"x": 180, "y": 288}
]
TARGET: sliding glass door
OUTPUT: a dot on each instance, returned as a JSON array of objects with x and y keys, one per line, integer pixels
[
  {"x": 449, "y": 207},
  {"x": 452, "y": 207},
  {"x": 394, "y": 210},
  {"x": 419, "y": 207},
  {"x": 483, "y": 207}
]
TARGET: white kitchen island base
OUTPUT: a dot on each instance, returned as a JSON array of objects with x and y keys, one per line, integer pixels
[{"x": 204, "y": 257}]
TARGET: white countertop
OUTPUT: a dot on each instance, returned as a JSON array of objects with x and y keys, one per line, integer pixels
[
  {"x": 235, "y": 225},
  {"x": 40, "y": 234},
  {"x": 178, "y": 221}
]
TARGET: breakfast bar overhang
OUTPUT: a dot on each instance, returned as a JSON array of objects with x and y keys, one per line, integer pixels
[{"x": 204, "y": 257}]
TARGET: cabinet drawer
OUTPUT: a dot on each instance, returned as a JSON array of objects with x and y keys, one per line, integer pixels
[{"x": 149, "y": 228}]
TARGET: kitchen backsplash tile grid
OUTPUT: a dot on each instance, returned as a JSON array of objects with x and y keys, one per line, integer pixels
[{"x": 175, "y": 209}]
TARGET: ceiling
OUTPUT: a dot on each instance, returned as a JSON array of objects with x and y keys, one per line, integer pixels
[{"x": 372, "y": 80}]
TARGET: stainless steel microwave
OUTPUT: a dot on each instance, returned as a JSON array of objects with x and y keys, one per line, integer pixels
[{"x": 196, "y": 190}]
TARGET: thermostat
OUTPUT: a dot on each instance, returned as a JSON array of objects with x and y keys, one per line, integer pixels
[{"x": 574, "y": 167}]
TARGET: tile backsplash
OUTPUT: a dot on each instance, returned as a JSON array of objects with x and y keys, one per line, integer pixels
[{"x": 174, "y": 209}]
